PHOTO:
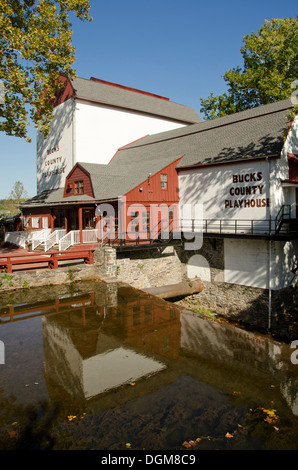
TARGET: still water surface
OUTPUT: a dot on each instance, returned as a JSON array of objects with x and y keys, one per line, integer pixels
[{"x": 100, "y": 366}]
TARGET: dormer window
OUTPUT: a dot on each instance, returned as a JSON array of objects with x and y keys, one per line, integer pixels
[{"x": 79, "y": 187}]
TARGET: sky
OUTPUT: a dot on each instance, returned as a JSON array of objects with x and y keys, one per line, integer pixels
[{"x": 177, "y": 49}]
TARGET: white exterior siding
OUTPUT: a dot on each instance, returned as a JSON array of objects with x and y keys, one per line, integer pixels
[
  {"x": 246, "y": 191},
  {"x": 238, "y": 191},
  {"x": 254, "y": 262},
  {"x": 102, "y": 130},
  {"x": 88, "y": 133},
  {"x": 56, "y": 153}
]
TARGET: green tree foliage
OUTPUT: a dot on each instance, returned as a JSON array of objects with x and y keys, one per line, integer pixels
[
  {"x": 270, "y": 66},
  {"x": 35, "y": 46},
  {"x": 17, "y": 195}
]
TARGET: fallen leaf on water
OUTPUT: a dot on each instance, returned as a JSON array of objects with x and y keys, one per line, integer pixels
[
  {"x": 229, "y": 436},
  {"x": 70, "y": 418},
  {"x": 186, "y": 444}
]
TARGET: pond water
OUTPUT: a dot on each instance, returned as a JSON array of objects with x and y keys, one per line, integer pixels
[{"x": 107, "y": 367}]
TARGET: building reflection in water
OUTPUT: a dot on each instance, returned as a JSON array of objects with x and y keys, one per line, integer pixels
[
  {"x": 95, "y": 345},
  {"x": 98, "y": 339}
]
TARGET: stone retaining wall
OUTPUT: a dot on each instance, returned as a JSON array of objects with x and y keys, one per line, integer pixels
[
  {"x": 143, "y": 268},
  {"x": 46, "y": 277},
  {"x": 150, "y": 268}
]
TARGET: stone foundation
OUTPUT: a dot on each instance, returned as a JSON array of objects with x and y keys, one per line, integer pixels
[
  {"x": 150, "y": 268},
  {"x": 254, "y": 308}
]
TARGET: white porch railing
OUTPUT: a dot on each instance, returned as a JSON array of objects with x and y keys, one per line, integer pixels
[
  {"x": 21, "y": 238},
  {"x": 54, "y": 239},
  {"x": 17, "y": 238},
  {"x": 90, "y": 236},
  {"x": 39, "y": 237},
  {"x": 73, "y": 238},
  {"x": 70, "y": 239}
]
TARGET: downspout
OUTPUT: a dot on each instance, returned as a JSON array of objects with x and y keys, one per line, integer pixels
[
  {"x": 269, "y": 286},
  {"x": 269, "y": 254},
  {"x": 73, "y": 132}
]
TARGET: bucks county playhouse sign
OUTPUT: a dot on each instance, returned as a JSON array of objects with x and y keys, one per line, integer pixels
[{"x": 247, "y": 190}]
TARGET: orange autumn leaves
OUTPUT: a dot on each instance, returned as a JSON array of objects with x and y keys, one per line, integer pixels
[{"x": 270, "y": 418}]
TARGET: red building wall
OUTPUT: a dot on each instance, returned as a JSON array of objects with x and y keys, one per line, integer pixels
[
  {"x": 150, "y": 192},
  {"x": 78, "y": 174}
]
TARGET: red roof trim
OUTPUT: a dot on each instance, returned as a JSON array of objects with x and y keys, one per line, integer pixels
[
  {"x": 292, "y": 156},
  {"x": 135, "y": 90}
]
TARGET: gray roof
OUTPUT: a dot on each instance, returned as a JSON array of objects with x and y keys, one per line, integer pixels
[
  {"x": 256, "y": 133},
  {"x": 120, "y": 97}
]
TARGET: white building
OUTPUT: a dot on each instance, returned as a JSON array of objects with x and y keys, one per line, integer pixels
[
  {"x": 93, "y": 119},
  {"x": 241, "y": 170}
]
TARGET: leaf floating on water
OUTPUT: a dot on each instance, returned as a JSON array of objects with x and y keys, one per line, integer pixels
[
  {"x": 70, "y": 418},
  {"x": 186, "y": 444},
  {"x": 229, "y": 436}
]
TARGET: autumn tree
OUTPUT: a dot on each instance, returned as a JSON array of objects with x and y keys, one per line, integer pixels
[
  {"x": 35, "y": 47},
  {"x": 270, "y": 67},
  {"x": 17, "y": 195}
]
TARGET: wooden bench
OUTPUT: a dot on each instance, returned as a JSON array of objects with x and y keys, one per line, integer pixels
[{"x": 51, "y": 259}]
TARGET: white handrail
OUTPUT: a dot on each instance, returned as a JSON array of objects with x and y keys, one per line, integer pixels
[
  {"x": 70, "y": 239},
  {"x": 39, "y": 237},
  {"x": 53, "y": 239}
]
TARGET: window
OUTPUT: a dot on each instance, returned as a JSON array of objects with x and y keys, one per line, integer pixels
[
  {"x": 164, "y": 181},
  {"x": 35, "y": 222},
  {"x": 79, "y": 187},
  {"x": 145, "y": 221}
]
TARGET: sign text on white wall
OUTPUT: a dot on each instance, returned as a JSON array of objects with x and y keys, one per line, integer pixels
[{"x": 240, "y": 188}]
